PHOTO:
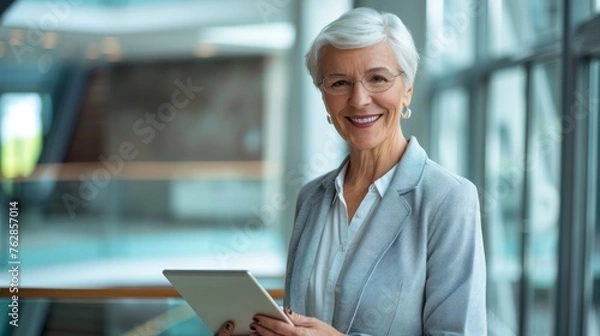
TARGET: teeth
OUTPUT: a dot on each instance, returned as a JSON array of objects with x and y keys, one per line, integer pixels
[{"x": 364, "y": 120}]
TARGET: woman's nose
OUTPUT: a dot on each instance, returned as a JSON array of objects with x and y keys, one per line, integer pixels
[{"x": 359, "y": 96}]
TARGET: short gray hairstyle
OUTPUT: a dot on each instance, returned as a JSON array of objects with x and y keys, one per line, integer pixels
[{"x": 365, "y": 27}]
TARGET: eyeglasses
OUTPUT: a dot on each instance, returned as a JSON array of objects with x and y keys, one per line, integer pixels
[{"x": 377, "y": 80}]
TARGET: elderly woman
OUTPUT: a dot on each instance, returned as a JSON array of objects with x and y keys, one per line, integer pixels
[{"x": 389, "y": 243}]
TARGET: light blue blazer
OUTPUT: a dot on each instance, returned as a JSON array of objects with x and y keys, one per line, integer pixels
[{"x": 419, "y": 268}]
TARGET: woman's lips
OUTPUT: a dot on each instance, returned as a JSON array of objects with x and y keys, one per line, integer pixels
[{"x": 366, "y": 121}]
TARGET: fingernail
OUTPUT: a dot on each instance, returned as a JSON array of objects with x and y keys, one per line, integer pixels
[
  {"x": 228, "y": 326},
  {"x": 255, "y": 319},
  {"x": 289, "y": 310}
]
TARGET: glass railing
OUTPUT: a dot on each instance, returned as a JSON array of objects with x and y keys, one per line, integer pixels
[{"x": 107, "y": 311}]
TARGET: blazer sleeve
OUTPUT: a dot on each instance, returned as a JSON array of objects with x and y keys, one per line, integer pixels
[{"x": 455, "y": 287}]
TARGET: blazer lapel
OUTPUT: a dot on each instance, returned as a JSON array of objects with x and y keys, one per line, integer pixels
[
  {"x": 383, "y": 229},
  {"x": 316, "y": 210}
]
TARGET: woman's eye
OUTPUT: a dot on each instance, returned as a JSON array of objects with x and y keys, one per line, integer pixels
[
  {"x": 378, "y": 79},
  {"x": 340, "y": 83}
]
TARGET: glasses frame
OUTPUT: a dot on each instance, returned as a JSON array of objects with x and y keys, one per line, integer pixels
[{"x": 321, "y": 84}]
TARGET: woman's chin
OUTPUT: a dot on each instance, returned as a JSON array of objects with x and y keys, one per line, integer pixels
[{"x": 363, "y": 145}]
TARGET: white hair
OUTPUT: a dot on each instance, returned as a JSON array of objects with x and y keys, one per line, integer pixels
[{"x": 365, "y": 27}]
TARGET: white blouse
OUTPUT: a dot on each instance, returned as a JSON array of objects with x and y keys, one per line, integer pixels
[{"x": 339, "y": 239}]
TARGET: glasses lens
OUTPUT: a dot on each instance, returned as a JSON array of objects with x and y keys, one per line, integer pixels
[
  {"x": 337, "y": 84},
  {"x": 374, "y": 81},
  {"x": 379, "y": 80}
]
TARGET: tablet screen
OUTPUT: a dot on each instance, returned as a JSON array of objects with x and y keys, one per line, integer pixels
[{"x": 218, "y": 296}]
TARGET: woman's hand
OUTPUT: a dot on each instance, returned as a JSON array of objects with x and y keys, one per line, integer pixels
[{"x": 303, "y": 326}]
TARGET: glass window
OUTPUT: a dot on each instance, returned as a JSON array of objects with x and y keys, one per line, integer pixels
[
  {"x": 450, "y": 33},
  {"x": 168, "y": 167},
  {"x": 584, "y": 10},
  {"x": 451, "y": 130},
  {"x": 22, "y": 133},
  {"x": 515, "y": 24},
  {"x": 503, "y": 195},
  {"x": 544, "y": 198}
]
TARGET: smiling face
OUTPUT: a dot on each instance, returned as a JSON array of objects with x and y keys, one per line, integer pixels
[{"x": 366, "y": 120}]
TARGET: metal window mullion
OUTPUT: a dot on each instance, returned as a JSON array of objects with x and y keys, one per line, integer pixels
[
  {"x": 574, "y": 209},
  {"x": 478, "y": 90},
  {"x": 481, "y": 33},
  {"x": 434, "y": 123},
  {"x": 593, "y": 166},
  {"x": 525, "y": 289},
  {"x": 566, "y": 310},
  {"x": 478, "y": 125},
  {"x": 580, "y": 201}
]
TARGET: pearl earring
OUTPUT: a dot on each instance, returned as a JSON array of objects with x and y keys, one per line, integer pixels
[{"x": 406, "y": 113}]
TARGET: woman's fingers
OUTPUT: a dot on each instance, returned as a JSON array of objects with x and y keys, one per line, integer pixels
[
  {"x": 226, "y": 329},
  {"x": 268, "y": 326},
  {"x": 303, "y": 325},
  {"x": 297, "y": 319},
  {"x": 262, "y": 330}
]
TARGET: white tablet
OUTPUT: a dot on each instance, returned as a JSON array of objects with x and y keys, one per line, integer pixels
[{"x": 218, "y": 296}]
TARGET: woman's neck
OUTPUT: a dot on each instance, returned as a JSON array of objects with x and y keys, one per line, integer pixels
[{"x": 366, "y": 166}]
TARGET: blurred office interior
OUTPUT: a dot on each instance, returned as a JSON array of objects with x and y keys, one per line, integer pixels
[{"x": 143, "y": 135}]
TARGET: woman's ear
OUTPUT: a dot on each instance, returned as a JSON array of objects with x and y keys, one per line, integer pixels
[{"x": 407, "y": 96}]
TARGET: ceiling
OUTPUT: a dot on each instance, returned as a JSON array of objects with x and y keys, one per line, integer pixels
[{"x": 37, "y": 32}]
